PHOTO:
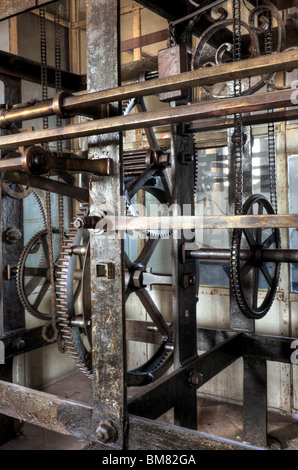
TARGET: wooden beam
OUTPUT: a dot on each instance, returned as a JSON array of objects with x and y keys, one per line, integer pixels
[
  {"x": 19, "y": 67},
  {"x": 145, "y": 40}
]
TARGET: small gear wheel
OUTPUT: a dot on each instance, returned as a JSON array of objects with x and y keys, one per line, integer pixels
[{"x": 248, "y": 276}]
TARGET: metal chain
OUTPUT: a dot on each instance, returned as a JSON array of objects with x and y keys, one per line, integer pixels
[
  {"x": 58, "y": 83},
  {"x": 44, "y": 84},
  {"x": 271, "y": 128},
  {"x": 43, "y": 60},
  {"x": 238, "y": 124}
]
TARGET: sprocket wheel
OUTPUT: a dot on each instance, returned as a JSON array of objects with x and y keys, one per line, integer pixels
[{"x": 247, "y": 275}]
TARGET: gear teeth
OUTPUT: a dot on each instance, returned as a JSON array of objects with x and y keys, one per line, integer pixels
[
  {"x": 21, "y": 289},
  {"x": 61, "y": 293}
]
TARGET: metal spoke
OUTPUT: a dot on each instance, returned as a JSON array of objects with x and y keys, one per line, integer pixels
[
  {"x": 167, "y": 185},
  {"x": 138, "y": 183},
  {"x": 246, "y": 268},
  {"x": 154, "y": 313},
  {"x": 32, "y": 284},
  {"x": 44, "y": 289},
  {"x": 267, "y": 275},
  {"x": 269, "y": 240},
  {"x": 147, "y": 251},
  {"x": 249, "y": 237},
  {"x": 256, "y": 279}
]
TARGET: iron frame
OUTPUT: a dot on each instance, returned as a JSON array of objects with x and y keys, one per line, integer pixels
[{"x": 137, "y": 420}]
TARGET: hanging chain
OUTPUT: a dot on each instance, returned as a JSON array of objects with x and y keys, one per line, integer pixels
[
  {"x": 44, "y": 84},
  {"x": 238, "y": 124},
  {"x": 58, "y": 84},
  {"x": 271, "y": 128},
  {"x": 43, "y": 60}
]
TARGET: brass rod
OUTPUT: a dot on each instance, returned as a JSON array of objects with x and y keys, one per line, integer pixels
[
  {"x": 123, "y": 223},
  {"x": 75, "y": 104},
  {"x": 230, "y": 106},
  {"x": 204, "y": 76}
]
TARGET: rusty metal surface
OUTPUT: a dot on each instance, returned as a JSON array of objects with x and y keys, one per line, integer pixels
[
  {"x": 147, "y": 434},
  {"x": 205, "y": 110},
  {"x": 83, "y": 103},
  {"x": 161, "y": 396},
  {"x": 206, "y": 222},
  {"x": 107, "y": 295},
  {"x": 47, "y": 411},
  {"x": 283, "y": 61}
]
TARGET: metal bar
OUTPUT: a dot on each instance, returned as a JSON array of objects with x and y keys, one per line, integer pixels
[
  {"x": 250, "y": 120},
  {"x": 26, "y": 69},
  {"x": 114, "y": 223},
  {"x": 273, "y": 100},
  {"x": 107, "y": 295},
  {"x": 143, "y": 331},
  {"x": 255, "y": 402},
  {"x": 22, "y": 341},
  {"x": 47, "y": 411},
  {"x": 146, "y": 434},
  {"x": 269, "y": 348},
  {"x": 47, "y": 184},
  {"x": 279, "y": 256},
  {"x": 201, "y": 77},
  {"x": 282, "y": 61},
  {"x": 184, "y": 293},
  {"x": 163, "y": 395},
  {"x": 36, "y": 161}
]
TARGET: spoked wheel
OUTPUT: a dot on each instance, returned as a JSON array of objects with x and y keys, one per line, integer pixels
[
  {"x": 254, "y": 273},
  {"x": 138, "y": 279},
  {"x": 33, "y": 277}
]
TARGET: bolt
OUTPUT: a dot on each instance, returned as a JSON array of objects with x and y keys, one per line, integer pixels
[
  {"x": 196, "y": 378},
  {"x": 12, "y": 235},
  {"x": 89, "y": 222},
  {"x": 106, "y": 432},
  {"x": 18, "y": 343}
]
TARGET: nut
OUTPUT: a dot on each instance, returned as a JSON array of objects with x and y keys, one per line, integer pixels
[
  {"x": 106, "y": 432},
  {"x": 196, "y": 378},
  {"x": 12, "y": 235}
]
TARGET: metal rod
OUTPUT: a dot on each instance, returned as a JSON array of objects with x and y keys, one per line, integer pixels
[
  {"x": 122, "y": 223},
  {"x": 47, "y": 184},
  {"x": 273, "y": 100},
  {"x": 76, "y": 104},
  {"x": 201, "y": 77},
  {"x": 268, "y": 255}
]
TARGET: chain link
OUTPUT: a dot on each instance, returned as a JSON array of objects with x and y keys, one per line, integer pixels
[
  {"x": 44, "y": 84},
  {"x": 238, "y": 141},
  {"x": 58, "y": 83},
  {"x": 271, "y": 128}
]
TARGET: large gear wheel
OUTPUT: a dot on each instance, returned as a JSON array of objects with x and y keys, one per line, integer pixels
[
  {"x": 75, "y": 320},
  {"x": 246, "y": 276},
  {"x": 75, "y": 327}
]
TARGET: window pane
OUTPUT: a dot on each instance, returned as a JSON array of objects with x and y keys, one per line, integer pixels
[{"x": 293, "y": 209}]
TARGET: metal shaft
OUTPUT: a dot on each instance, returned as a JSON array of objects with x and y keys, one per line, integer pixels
[
  {"x": 272, "y": 255},
  {"x": 78, "y": 104},
  {"x": 279, "y": 99}
]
